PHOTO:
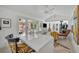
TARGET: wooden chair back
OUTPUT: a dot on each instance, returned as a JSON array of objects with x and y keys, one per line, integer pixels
[{"x": 54, "y": 35}]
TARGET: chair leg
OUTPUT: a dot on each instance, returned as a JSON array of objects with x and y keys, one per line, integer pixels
[
  {"x": 55, "y": 43},
  {"x": 64, "y": 46}
]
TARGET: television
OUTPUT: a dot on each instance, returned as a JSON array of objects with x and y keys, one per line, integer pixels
[{"x": 44, "y": 25}]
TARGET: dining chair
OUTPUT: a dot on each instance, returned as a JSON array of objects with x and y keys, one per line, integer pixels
[
  {"x": 17, "y": 48},
  {"x": 55, "y": 35}
]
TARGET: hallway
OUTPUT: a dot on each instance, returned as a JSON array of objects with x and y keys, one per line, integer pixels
[{"x": 32, "y": 26}]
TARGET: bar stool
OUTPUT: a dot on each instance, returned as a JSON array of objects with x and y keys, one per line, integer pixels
[
  {"x": 13, "y": 42},
  {"x": 18, "y": 48}
]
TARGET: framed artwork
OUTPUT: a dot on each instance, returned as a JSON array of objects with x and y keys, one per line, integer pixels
[{"x": 5, "y": 23}]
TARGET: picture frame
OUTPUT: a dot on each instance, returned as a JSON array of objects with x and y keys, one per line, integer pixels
[{"x": 5, "y": 23}]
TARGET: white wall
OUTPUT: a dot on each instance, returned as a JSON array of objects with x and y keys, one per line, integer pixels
[{"x": 5, "y": 13}]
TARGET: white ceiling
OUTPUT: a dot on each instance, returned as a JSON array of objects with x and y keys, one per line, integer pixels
[{"x": 38, "y": 11}]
